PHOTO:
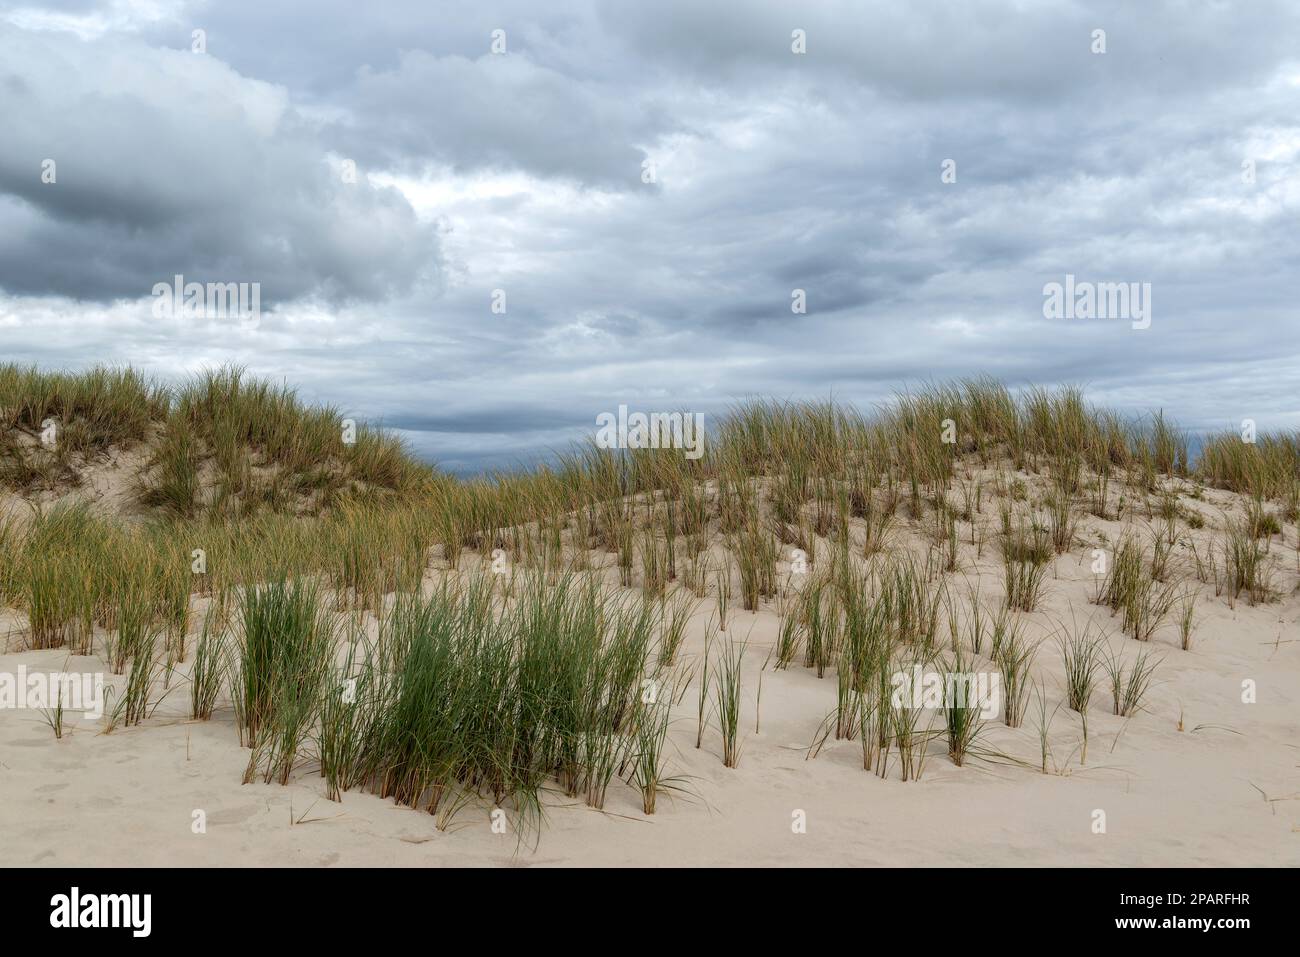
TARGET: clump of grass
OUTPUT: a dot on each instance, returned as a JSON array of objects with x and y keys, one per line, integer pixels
[
  {"x": 727, "y": 699},
  {"x": 723, "y": 584},
  {"x": 673, "y": 630},
  {"x": 654, "y": 564},
  {"x": 1044, "y": 727},
  {"x": 209, "y": 671},
  {"x": 53, "y": 717},
  {"x": 756, "y": 553},
  {"x": 710, "y": 634},
  {"x": 173, "y": 481},
  {"x": 133, "y": 611},
  {"x": 465, "y": 695},
  {"x": 862, "y": 635},
  {"x": 1187, "y": 610},
  {"x": 650, "y": 753},
  {"x": 1061, "y": 519},
  {"x": 873, "y": 705},
  {"x": 1099, "y": 490},
  {"x": 11, "y": 540},
  {"x": 417, "y": 715},
  {"x": 1004, "y": 625},
  {"x": 138, "y": 701},
  {"x": 697, "y": 578},
  {"x": 1266, "y": 467},
  {"x": 173, "y": 582},
  {"x": 259, "y": 444},
  {"x": 60, "y": 574},
  {"x": 95, "y": 410},
  {"x": 878, "y": 523},
  {"x": 961, "y": 711},
  {"x": 1129, "y": 687},
  {"x": 790, "y": 633},
  {"x": 1131, "y": 588},
  {"x": 909, "y": 738},
  {"x": 284, "y": 641},
  {"x": 1025, "y": 554},
  {"x": 1014, "y": 656},
  {"x": 1082, "y": 659},
  {"x": 1245, "y": 565},
  {"x": 1148, "y": 607},
  {"x": 911, "y": 602},
  {"x": 979, "y": 625},
  {"x": 1262, "y": 523},
  {"x": 822, "y": 624},
  {"x": 1162, "y": 547},
  {"x": 232, "y": 420},
  {"x": 349, "y": 705}
]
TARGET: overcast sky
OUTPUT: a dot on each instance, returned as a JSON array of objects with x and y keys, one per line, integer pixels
[{"x": 526, "y": 171}]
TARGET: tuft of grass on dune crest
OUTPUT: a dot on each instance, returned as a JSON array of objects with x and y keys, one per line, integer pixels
[
  {"x": 265, "y": 449},
  {"x": 1268, "y": 467},
  {"x": 223, "y": 442},
  {"x": 94, "y": 410}
]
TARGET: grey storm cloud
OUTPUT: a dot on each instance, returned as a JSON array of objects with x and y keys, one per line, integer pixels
[
  {"x": 494, "y": 111},
  {"x": 169, "y": 162},
  {"x": 522, "y": 174}
]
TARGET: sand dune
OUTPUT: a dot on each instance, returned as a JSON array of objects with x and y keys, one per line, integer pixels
[{"x": 1197, "y": 778}]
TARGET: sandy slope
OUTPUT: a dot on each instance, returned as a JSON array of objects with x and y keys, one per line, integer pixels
[{"x": 1199, "y": 796}]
